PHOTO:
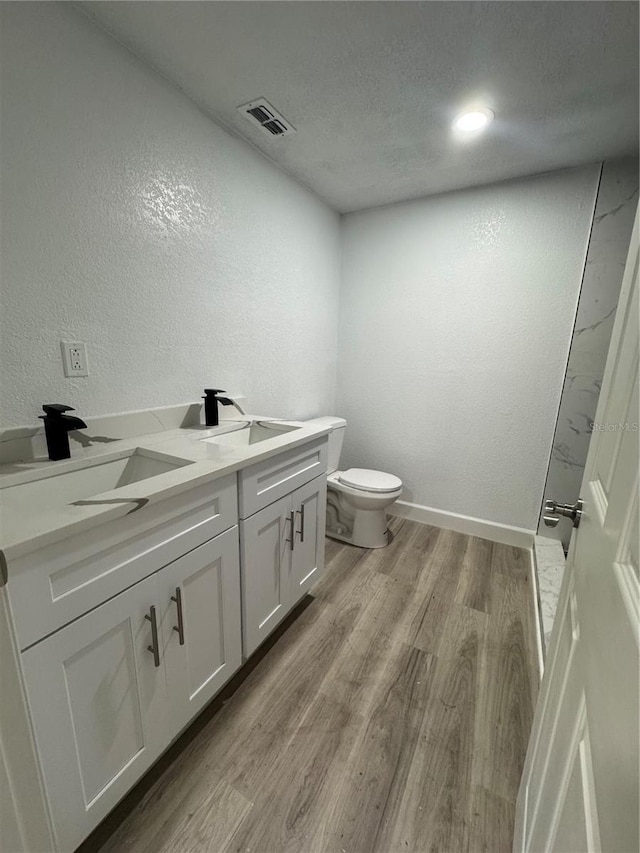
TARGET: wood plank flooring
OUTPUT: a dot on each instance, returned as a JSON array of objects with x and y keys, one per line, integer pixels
[{"x": 390, "y": 713}]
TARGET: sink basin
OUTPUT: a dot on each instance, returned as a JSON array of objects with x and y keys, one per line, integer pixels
[
  {"x": 252, "y": 433},
  {"x": 96, "y": 477}
]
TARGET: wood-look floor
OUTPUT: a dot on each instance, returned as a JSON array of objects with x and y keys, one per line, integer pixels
[{"x": 390, "y": 713}]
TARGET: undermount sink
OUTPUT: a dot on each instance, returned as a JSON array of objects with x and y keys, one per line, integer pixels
[
  {"x": 252, "y": 433},
  {"x": 96, "y": 477}
]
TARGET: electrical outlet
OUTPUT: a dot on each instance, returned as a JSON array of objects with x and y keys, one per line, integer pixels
[{"x": 74, "y": 359}]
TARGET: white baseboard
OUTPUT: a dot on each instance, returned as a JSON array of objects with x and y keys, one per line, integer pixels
[
  {"x": 503, "y": 533},
  {"x": 535, "y": 592}
]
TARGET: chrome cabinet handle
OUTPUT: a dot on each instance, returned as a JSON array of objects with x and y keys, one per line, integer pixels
[
  {"x": 292, "y": 522},
  {"x": 301, "y": 512},
  {"x": 180, "y": 626},
  {"x": 154, "y": 648}
]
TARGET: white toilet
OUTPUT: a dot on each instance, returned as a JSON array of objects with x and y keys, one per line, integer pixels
[{"x": 357, "y": 499}]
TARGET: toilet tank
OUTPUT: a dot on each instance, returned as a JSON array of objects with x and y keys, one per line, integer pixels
[{"x": 336, "y": 437}]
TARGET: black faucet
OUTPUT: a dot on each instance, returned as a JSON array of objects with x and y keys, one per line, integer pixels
[
  {"x": 56, "y": 428},
  {"x": 211, "y": 401}
]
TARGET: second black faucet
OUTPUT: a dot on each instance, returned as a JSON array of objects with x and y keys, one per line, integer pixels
[{"x": 211, "y": 401}]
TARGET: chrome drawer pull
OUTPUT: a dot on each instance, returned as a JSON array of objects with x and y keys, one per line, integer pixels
[
  {"x": 154, "y": 648},
  {"x": 301, "y": 511},
  {"x": 180, "y": 626},
  {"x": 292, "y": 522}
]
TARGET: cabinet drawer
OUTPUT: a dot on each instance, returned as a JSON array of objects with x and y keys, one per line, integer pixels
[
  {"x": 272, "y": 479},
  {"x": 54, "y": 586}
]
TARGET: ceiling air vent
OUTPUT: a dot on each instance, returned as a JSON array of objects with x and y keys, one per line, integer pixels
[{"x": 261, "y": 114}]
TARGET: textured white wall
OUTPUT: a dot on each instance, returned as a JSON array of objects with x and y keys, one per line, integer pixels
[
  {"x": 131, "y": 222},
  {"x": 183, "y": 258},
  {"x": 455, "y": 322}
]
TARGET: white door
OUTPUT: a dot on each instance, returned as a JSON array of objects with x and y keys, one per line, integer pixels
[
  {"x": 309, "y": 505},
  {"x": 97, "y": 700},
  {"x": 580, "y": 788},
  {"x": 201, "y": 633},
  {"x": 267, "y": 540}
]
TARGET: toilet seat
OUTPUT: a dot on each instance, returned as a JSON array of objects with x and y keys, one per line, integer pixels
[{"x": 367, "y": 480}]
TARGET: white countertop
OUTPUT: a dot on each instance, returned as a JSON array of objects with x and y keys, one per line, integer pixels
[{"x": 21, "y": 533}]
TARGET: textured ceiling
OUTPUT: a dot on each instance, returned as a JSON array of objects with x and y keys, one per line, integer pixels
[{"x": 372, "y": 87}]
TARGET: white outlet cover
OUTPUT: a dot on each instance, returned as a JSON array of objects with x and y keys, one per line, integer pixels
[{"x": 74, "y": 358}]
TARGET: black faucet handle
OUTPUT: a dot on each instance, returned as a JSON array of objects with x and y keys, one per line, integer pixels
[
  {"x": 213, "y": 391},
  {"x": 56, "y": 409}
]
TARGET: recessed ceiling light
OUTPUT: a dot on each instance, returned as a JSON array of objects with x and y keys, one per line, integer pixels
[{"x": 473, "y": 120}]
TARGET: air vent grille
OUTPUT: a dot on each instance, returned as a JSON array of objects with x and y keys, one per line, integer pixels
[
  {"x": 262, "y": 115},
  {"x": 277, "y": 128}
]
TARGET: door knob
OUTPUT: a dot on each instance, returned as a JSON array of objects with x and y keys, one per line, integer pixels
[{"x": 553, "y": 510}]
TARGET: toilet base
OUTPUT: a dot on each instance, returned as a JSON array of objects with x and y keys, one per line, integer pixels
[{"x": 368, "y": 529}]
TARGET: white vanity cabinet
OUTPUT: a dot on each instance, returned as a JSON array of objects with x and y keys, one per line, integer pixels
[
  {"x": 110, "y": 691},
  {"x": 307, "y": 558},
  {"x": 282, "y": 557},
  {"x": 53, "y": 586},
  {"x": 123, "y": 632},
  {"x": 265, "y": 561},
  {"x": 98, "y": 706},
  {"x": 200, "y": 625}
]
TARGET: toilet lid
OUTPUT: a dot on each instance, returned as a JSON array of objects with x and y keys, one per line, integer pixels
[{"x": 370, "y": 481}]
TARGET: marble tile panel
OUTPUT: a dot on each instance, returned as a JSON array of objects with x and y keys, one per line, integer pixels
[
  {"x": 606, "y": 257},
  {"x": 550, "y": 565}
]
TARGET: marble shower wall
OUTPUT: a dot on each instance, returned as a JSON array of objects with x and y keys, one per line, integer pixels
[
  {"x": 550, "y": 566},
  {"x": 613, "y": 220}
]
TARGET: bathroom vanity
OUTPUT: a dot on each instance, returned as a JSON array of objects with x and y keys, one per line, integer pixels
[{"x": 138, "y": 576}]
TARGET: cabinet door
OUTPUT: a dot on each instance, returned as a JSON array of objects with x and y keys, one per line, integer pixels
[
  {"x": 309, "y": 504},
  {"x": 266, "y": 551},
  {"x": 201, "y": 627},
  {"x": 97, "y": 700}
]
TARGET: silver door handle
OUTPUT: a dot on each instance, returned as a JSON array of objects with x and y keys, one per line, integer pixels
[
  {"x": 180, "y": 626},
  {"x": 154, "y": 648},
  {"x": 553, "y": 510},
  {"x": 292, "y": 522},
  {"x": 301, "y": 512}
]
